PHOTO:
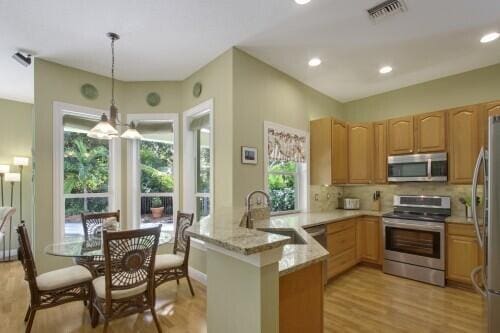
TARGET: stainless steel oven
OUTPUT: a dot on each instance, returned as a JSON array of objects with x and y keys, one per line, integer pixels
[
  {"x": 418, "y": 168},
  {"x": 414, "y": 238}
]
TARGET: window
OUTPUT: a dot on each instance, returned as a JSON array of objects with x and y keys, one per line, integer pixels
[
  {"x": 152, "y": 172},
  {"x": 285, "y": 172},
  {"x": 198, "y": 160},
  {"x": 283, "y": 180},
  {"x": 86, "y": 171},
  {"x": 202, "y": 194}
]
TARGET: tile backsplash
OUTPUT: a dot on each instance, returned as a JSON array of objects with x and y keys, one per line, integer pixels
[{"x": 327, "y": 196}]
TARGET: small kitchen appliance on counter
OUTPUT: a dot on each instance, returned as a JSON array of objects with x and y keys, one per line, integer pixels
[
  {"x": 414, "y": 238},
  {"x": 350, "y": 203}
]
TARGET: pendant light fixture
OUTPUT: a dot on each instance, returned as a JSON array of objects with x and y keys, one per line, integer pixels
[{"x": 106, "y": 129}]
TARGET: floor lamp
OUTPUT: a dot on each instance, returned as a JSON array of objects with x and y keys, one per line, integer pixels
[
  {"x": 4, "y": 168},
  {"x": 12, "y": 178},
  {"x": 21, "y": 162}
]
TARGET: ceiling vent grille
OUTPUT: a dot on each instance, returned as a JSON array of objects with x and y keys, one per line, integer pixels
[{"x": 386, "y": 8}]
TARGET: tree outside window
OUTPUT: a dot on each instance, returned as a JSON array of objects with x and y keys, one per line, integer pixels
[{"x": 283, "y": 180}]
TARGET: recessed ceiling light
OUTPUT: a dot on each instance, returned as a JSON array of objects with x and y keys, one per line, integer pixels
[
  {"x": 385, "y": 70},
  {"x": 315, "y": 62},
  {"x": 302, "y": 2},
  {"x": 490, "y": 37}
]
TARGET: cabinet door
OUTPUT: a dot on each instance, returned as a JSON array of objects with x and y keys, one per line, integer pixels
[
  {"x": 360, "y": 153},
  {"x": 380, "y": 152},
  {"x": 487, "y": 109},
  {"x": 340, "y": 170},
  {"x": 321, "y": 150},
  {"x": 401, "y": 136},
  {"x": 463, "y": 256},
  {"x": 463, "y": 131},
  {"x": 369, "y": 239},
  {"x": 430, "y": 131}
]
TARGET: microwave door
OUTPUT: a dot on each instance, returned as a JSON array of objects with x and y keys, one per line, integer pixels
[{"x": 412, "y": 171}]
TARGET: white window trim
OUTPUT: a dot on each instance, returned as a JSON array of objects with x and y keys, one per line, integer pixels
[
  {"x": 133, "y": 168},
  {"x": 189, "y": 167},
  {"x": 61, "y": 109},
  {"x": 303, "y": 199}
]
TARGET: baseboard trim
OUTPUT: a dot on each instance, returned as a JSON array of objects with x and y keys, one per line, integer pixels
[
  {"x": 13, "y": 255},
  {"x": 198, "y": 276}
]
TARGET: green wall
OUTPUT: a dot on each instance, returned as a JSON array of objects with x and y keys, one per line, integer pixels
[
  {"x": 480, "y": 85},
  {"x": 16, "y": 128}
]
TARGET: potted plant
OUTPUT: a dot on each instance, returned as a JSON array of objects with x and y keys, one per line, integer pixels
[
  {"x": 157, "y": 208},
  {"x": 467, "y": 202}
]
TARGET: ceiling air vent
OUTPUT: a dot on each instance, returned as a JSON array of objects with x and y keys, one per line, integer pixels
[{"x": 386, "y": 8}]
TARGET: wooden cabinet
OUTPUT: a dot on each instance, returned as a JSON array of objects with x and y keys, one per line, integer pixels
[
  {"x": 430, "y": 132},
  {"x": 463, "y": 148},
  {"x": 340, "y": 170},
  {"x": 341, "y": 243},
  {"x": 487, "y": 109},
  {"x": 328, "y": 152},
  {"x": 463, "y": 252},
  {"x": 360, "y": 141},
  {"x": 369, "y": 240},
  {"x": 380, "y": 152},
  {"x": 320, "y": 151},
  {"x": 401, "y": 136}
]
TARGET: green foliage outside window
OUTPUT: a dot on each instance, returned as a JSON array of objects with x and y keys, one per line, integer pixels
[
  {"x": 282, "y": 185},
  {"x": 156, "y": 167}
]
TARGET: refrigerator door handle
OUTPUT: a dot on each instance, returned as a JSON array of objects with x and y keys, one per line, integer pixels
[
  {"x": 480, "y": 160},
  {"x": 476, "y": 285}
]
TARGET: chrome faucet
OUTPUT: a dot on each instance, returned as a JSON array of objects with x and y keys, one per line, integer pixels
[{"x": 257, "y": 210}]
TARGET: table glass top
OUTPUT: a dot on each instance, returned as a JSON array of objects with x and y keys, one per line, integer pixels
[{"x": 78, "y": 246}]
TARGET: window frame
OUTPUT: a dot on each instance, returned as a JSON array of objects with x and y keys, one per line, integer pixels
[
  {"x": 134, "y": 170},
  {"x": 189, "y": 157},
  {"x": 302, "y": 174},
  {"x": 60, "y": 110}
]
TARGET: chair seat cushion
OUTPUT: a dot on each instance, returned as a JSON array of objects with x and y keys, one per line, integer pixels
[
  {"x": 165, "y": 261},
  {"x": 64, "y": 277},
  {"x": 100, "y": 289}
]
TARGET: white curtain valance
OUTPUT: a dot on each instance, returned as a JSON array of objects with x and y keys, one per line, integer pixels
[{"x": 285, "y": 146}]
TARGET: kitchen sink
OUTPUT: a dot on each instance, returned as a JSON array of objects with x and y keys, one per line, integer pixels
[{"x": 296, "y": 239}]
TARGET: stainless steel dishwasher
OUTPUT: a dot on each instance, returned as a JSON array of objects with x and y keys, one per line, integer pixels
[{"x": 319, "y": 234}]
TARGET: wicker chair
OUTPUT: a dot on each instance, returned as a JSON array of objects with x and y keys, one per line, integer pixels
[
  {"x": 92, "y": 223},
  {"x": 170, "y": 267},
  {"x": 127, "y": 286},
  {"x": 53, "y": 288}
]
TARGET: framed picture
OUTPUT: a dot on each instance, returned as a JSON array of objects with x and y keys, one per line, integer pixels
[{"x": 248, "y": 155}]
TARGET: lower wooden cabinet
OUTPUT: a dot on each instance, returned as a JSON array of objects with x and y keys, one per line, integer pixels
[
  {"x": 368, "y": 240},
  {"x": 463, "y": 252}
]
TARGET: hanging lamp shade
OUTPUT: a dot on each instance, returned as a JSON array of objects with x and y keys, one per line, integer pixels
[
  {"x": 103, "y": 130},
  {"x": 131, "y": 133},
  {"x": 4, "y": 168}
]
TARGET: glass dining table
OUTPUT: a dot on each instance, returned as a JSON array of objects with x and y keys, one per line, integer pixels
[{"x": 79, "y": 247}]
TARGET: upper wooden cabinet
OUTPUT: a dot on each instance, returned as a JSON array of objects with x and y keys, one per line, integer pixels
[
  {"x": 430, "y": 132},
  {"x": 380, "y": 152},
  {"x": 340, "y": 169},
  {"x": 463, "y": 148},
  {"x": 401, "y": 136},
  {"x": 487, "y": 109},
  {"x": 321, "y": 151},
  {"x": 360, "y": 140},
  {"x": 328, "y": 152}
]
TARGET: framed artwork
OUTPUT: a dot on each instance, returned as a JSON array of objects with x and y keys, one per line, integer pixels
[{"x": 248, "y": 155}]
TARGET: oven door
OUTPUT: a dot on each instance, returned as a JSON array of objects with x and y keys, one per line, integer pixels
[{"x": 414, "y": 242}]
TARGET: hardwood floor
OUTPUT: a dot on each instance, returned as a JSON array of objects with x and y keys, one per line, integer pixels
[
  {"x": 367, "y": 300},
  {"x": 362, "y": 300},
  {"x": 177, "y": 311}
]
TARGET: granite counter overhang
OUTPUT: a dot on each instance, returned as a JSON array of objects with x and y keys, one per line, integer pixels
[{"x": 227, "y": 234}]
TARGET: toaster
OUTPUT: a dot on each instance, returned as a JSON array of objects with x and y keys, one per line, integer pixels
[{"x": 351, "y": 203}]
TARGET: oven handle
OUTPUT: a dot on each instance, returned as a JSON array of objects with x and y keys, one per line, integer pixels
[{"x": 413, "y": 226}]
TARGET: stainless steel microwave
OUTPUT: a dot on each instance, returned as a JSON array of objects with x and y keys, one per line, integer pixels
[{"x": 418, "y": 168}]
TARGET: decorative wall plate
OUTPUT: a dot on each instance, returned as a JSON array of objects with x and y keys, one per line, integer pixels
[
  {"x": 89, "y": 91},
  {"x": 197, "y": 88},
  {"x": 153, "y": 99}
]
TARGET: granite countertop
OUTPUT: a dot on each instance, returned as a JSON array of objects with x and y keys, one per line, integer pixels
[
  {"x": 459, "y": 219},
  {"x": 226, "y": 233}
]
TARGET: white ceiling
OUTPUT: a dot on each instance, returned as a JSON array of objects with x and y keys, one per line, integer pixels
[{"x": 169, "y": 40}]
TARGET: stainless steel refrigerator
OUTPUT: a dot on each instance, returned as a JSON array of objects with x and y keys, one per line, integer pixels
[{"x": 486, "y": 278}]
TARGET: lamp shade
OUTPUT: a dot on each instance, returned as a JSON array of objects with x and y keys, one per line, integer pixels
[
  {"x": 21, "y": 161},
  {"x": 13, "y": 177},
  {"x": 131, "y": 133},
  {"x": 103, "y": 129},
  {"x": 4, "y": 168}
]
